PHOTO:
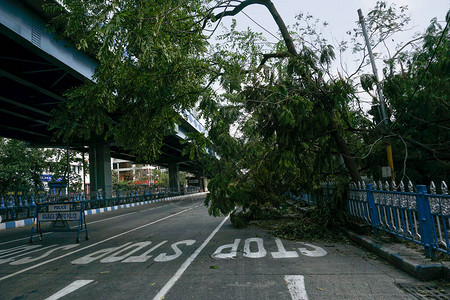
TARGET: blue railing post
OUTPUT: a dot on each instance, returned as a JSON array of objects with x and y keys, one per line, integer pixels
[
  {"x": 372, "y": 208},
  {"x": 425, "y": 221}
]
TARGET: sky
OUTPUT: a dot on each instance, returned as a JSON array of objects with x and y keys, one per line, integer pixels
[{"x": 341, "y": 15}]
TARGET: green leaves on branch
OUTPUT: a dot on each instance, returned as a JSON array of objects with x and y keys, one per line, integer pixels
[{"x": 150, "y": 68}]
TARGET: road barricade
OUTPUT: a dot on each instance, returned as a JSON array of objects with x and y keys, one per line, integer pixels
[{"x": 59, "y": 214}]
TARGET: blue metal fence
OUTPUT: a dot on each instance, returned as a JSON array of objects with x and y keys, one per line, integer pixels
[
  {"x": 419, "y": 216},
  {"x": 319, "y": 197},
  {"x": 18, "y": 205}
]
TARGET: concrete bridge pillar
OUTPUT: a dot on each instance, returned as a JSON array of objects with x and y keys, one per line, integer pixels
[
  {"x": 204, "y": 184},
  {"x": 174, "y": 177},
  {"x": 100, "y": 169}
]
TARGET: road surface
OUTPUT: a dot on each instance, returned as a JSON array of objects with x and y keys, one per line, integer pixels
[{"x": 175, "y": 250}]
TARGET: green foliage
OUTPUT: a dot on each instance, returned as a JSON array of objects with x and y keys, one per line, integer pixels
[
  {"x": 284, "y": 122},
  {"x": 150, "y": 68},
  {"x": 292, "y": 117},
  {"x": 418, "y": 96},
  {"x": 22, "y": 166}
]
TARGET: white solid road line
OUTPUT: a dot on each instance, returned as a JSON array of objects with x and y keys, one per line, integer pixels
[
  {"x": 162, "y": 293},
  {"x": 93, "y": 245},
  {"x": 22, "y": 239},
  {"x": 296, "y": 286},
  {"x": 69, "y": 289}
]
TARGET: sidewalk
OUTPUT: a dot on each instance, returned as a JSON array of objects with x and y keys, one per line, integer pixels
[{"x": 404, "y": 255}]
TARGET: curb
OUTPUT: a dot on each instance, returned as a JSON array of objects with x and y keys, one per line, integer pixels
[
  {"x": 29, "y": 222},
  {"x": 419, "y": 267}
]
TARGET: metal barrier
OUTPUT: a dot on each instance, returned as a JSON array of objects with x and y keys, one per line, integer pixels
[
  {"x": 59, "y": 214},
  {"x": 419, "y": 216},
  {"x": 318, "y": 198},
  {"x": 18, "y": 206}
]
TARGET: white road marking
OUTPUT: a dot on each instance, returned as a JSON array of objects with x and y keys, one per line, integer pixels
[
  {"x": 144, "y": 256},
  {"x": 116, "y": 257},
  {"x": 317, "y": 252},
  {"x": 97, "y": 255},
  {"x": 21, "y": 239},
  {"x": 282, "y": 253},
  {"x": 27, "y": 260},
  {"x": 296, "y": 286},
  {"x": 233, "y": 251},
  {"x": 107, "y": 219},
  {"x": 93, "y": 245},
  {"x": 162, "y": 293},
  {"x": 16, "y": 250},
  {"x": 16, "y": 254},
  {"x": 261, "y": 251},
  {"x": 163, "y": 257},
  {"x": 69, "y": 289}
]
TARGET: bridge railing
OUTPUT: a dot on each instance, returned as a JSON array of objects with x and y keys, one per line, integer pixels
[
  {"x": 318, "y": 197},
  {"x": 419, "y": 216},
  {"x": 18, "y": 205}
]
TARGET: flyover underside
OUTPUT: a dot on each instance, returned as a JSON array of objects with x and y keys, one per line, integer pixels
[
  {"x": 35, "y": 72},
  {"x": 32, "y": 86}
]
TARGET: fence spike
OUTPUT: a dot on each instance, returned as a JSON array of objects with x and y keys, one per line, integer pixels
[
  {"x": 444, "y": 188},
  {"x": 386, "y": 186},
  {"x": 394, "y": 186},
  {"x": 432, "y": 188},
  {"x": 410, "y": 186},
  {"x": 20, "y": 199},
  {"x": 380, "y": 185},
  {"x": 375, "y": 187},
  {"x": 10, "y": 200},
  {"x": 402, "y": 186}
]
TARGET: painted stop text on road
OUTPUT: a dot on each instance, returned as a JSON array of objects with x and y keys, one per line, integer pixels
[{"x": 140, "y": 252}]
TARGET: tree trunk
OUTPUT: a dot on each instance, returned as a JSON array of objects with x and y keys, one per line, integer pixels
[{"x": 345, "y": 152}]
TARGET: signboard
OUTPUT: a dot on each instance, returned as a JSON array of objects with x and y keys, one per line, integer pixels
[
  {"x": 59, "y": 214},
  {"x": 46, "y": 178},
  {"x": 65, "y": 216},
  {"x": 59, "y": 207},
  {"x": 386, "y": 172}
]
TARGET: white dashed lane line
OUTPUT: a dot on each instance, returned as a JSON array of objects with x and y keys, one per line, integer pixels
[{"x": 69, "y": 289}]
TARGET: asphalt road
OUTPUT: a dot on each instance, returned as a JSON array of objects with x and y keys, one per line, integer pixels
[{"x": 175, "y": 250}]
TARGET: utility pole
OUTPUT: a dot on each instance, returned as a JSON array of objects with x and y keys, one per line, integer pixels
[
  {"x": 84, "y": 172},
  {"x": 68, "y": 170},
  {"x": 379, "y": 91}
]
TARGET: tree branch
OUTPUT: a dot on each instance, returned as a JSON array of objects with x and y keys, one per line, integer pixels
[{"x": 281, "y": 54}]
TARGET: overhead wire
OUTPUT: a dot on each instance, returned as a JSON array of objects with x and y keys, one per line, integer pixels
[{"x": 261, "y": 26}]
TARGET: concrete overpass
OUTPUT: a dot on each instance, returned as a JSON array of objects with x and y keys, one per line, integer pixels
[{"x": 35, "y": 71}]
